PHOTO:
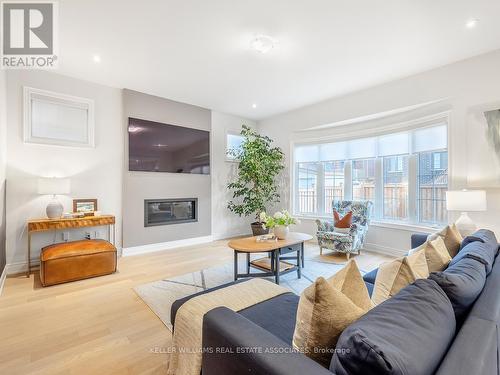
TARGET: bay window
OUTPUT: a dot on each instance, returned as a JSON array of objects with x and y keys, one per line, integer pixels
[{"x": 405, "y": 175}]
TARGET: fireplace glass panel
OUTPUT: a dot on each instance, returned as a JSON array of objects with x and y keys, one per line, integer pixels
[{"x": 169, "y": 211}]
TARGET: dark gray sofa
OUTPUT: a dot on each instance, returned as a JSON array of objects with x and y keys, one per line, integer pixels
[{"x": 257, "y": 340}]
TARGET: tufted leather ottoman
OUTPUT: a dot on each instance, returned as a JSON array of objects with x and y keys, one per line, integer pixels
[{"x": 76, "y": 260}]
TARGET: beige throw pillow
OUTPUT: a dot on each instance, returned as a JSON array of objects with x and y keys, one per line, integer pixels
[
  {"x": 394, "y": 276},
  {"x": 452, "y": 239},
  {"x": 436, "y": 254},
  {"x": 350, "y": 282},
  {"x": 326, "y": 308}
]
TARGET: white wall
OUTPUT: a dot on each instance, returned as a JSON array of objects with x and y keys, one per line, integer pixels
[
  {"x": 94, "y": 172},
  {"x": 224, "y": 223},
  {"x": 468, "y": 88},
  {"x": 3, "y": 156}
]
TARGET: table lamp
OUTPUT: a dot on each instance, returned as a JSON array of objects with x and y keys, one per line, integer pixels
[
  {"x": 54, "y": 186},
  {"x": 465, "y": 201}
]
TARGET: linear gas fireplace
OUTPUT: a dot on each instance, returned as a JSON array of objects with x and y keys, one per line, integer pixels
[{"x": 170, "y": 211}]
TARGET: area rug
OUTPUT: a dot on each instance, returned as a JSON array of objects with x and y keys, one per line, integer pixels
[{"x": 159, "y": 295}]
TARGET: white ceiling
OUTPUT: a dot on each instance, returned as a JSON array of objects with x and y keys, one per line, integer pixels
[{"x": 197, "y": 51}]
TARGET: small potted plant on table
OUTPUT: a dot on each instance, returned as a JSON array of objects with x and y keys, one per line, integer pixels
[{"x": 279, "y": 223}]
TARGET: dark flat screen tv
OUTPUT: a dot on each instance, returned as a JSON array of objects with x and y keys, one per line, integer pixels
[{"x": 157, "y": 147}]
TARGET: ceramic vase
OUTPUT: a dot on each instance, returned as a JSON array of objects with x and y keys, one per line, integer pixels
[{"x": 281, "y": 231}]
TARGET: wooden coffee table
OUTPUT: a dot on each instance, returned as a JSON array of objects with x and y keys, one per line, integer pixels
[{"x": 275, "y": 264}]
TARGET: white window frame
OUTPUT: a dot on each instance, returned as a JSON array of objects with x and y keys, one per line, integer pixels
[
  {"x": 230, "y": 132},
  {"x": 29, "y": 94},
  {"x": 412, "y": 125}
]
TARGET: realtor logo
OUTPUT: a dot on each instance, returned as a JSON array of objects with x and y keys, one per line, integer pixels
[{"x": 29, "y": 34}]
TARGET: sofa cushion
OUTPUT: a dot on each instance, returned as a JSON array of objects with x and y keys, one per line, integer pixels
[
  {"x": 350, "y": 282},
  {"x": 451, "y": 238},
  {"x": 436, "y": 254},
  {"x": 480, "y": 251},
  {"x": 476, "y": 348},
  {"x": 369, "y": 287},
  {"x": 407, "y": 334},
  {"x": 474, "y": 351},
  {"x": 487, "y": 305},
  {"x": 276, "y": 315},
  {"x": 482, "y": 235},
  {"x": 371, "y": 276},
  {"x": 418, "y": 239},
  {"x": 395, "y": 275},
  {"x": 326, "y": 308},
  {"x": 462, "y": 283}
]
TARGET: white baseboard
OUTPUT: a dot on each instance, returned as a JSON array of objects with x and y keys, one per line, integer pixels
[
  {"x": 2, "y": 278},
  {"x": 218, "y": 237},
  {"x": 384, "y": 249},
  {"x": 20, "y": 267},
  {"x": 144, "y": 249}
]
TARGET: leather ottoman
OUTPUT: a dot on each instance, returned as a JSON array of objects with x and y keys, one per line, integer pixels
[{"x": 76, "y": 260}]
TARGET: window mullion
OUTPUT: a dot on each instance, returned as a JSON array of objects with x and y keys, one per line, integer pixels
[
  {"x": 379, "y": 189},
  {"x": 320, "y": 190},
  {"x": 413, "y": 188},
  {"x": 296, "y": 203},
  {"x": 348, "y": 180}
]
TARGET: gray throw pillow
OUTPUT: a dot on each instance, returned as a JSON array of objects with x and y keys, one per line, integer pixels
[
  {"x": 483, "y": 252},
  {"x": 462, "y": 283},
  {"x": 407, "y": 334}
]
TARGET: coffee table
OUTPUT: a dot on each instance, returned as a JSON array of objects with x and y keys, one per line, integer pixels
[{"x": 275, "y": 264}]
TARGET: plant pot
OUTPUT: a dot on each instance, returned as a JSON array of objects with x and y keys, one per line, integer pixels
[
  {"x": 281, "y": 231},
  {"x": 258, "y": 229}
]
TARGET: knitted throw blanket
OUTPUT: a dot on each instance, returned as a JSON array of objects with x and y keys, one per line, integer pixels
[{"x": 187, "y": 341}]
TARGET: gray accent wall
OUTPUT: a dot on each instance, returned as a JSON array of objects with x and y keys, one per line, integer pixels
[{"x": 139, "y": 186}]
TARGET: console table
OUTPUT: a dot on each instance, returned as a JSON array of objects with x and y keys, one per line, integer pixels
[{"x": 44, "y": 225}]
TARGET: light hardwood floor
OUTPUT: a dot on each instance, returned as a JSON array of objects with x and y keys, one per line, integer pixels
[{"x": 99, "y": 325}]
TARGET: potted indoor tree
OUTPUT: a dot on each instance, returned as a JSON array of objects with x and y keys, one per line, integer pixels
[{"x": 256, "y": 184}]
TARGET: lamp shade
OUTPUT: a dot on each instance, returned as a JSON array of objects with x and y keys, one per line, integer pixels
[
  {"x": 466, "y": 200},
  {"x": 53, "y": 186}
]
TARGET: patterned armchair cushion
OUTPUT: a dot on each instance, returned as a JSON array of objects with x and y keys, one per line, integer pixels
[
  {"x": 361, "y": 210},
  {"x": 346, "y": 242},
  {"x": 325, "y": 226}
]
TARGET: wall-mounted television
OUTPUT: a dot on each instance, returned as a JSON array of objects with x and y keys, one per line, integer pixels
[{"x": 157, "y": 147}]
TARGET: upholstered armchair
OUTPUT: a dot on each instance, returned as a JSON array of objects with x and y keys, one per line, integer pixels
[{"x": 350, "y": 242}]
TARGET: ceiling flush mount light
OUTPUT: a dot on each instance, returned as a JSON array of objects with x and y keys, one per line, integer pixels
[
  {"x": 254, "y": 105},
  {"x": 472, "y": 23},
  {"x": 263, "y": 43},
  {"x": 96, "y": 58}
]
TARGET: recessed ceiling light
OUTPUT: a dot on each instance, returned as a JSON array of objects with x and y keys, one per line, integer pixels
[
  {"x": 472, "y": 23},
  {"x": 262, "y": 43},
  {"x": 254, "y": 105},
  {"x": 96, "y": 58}
]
